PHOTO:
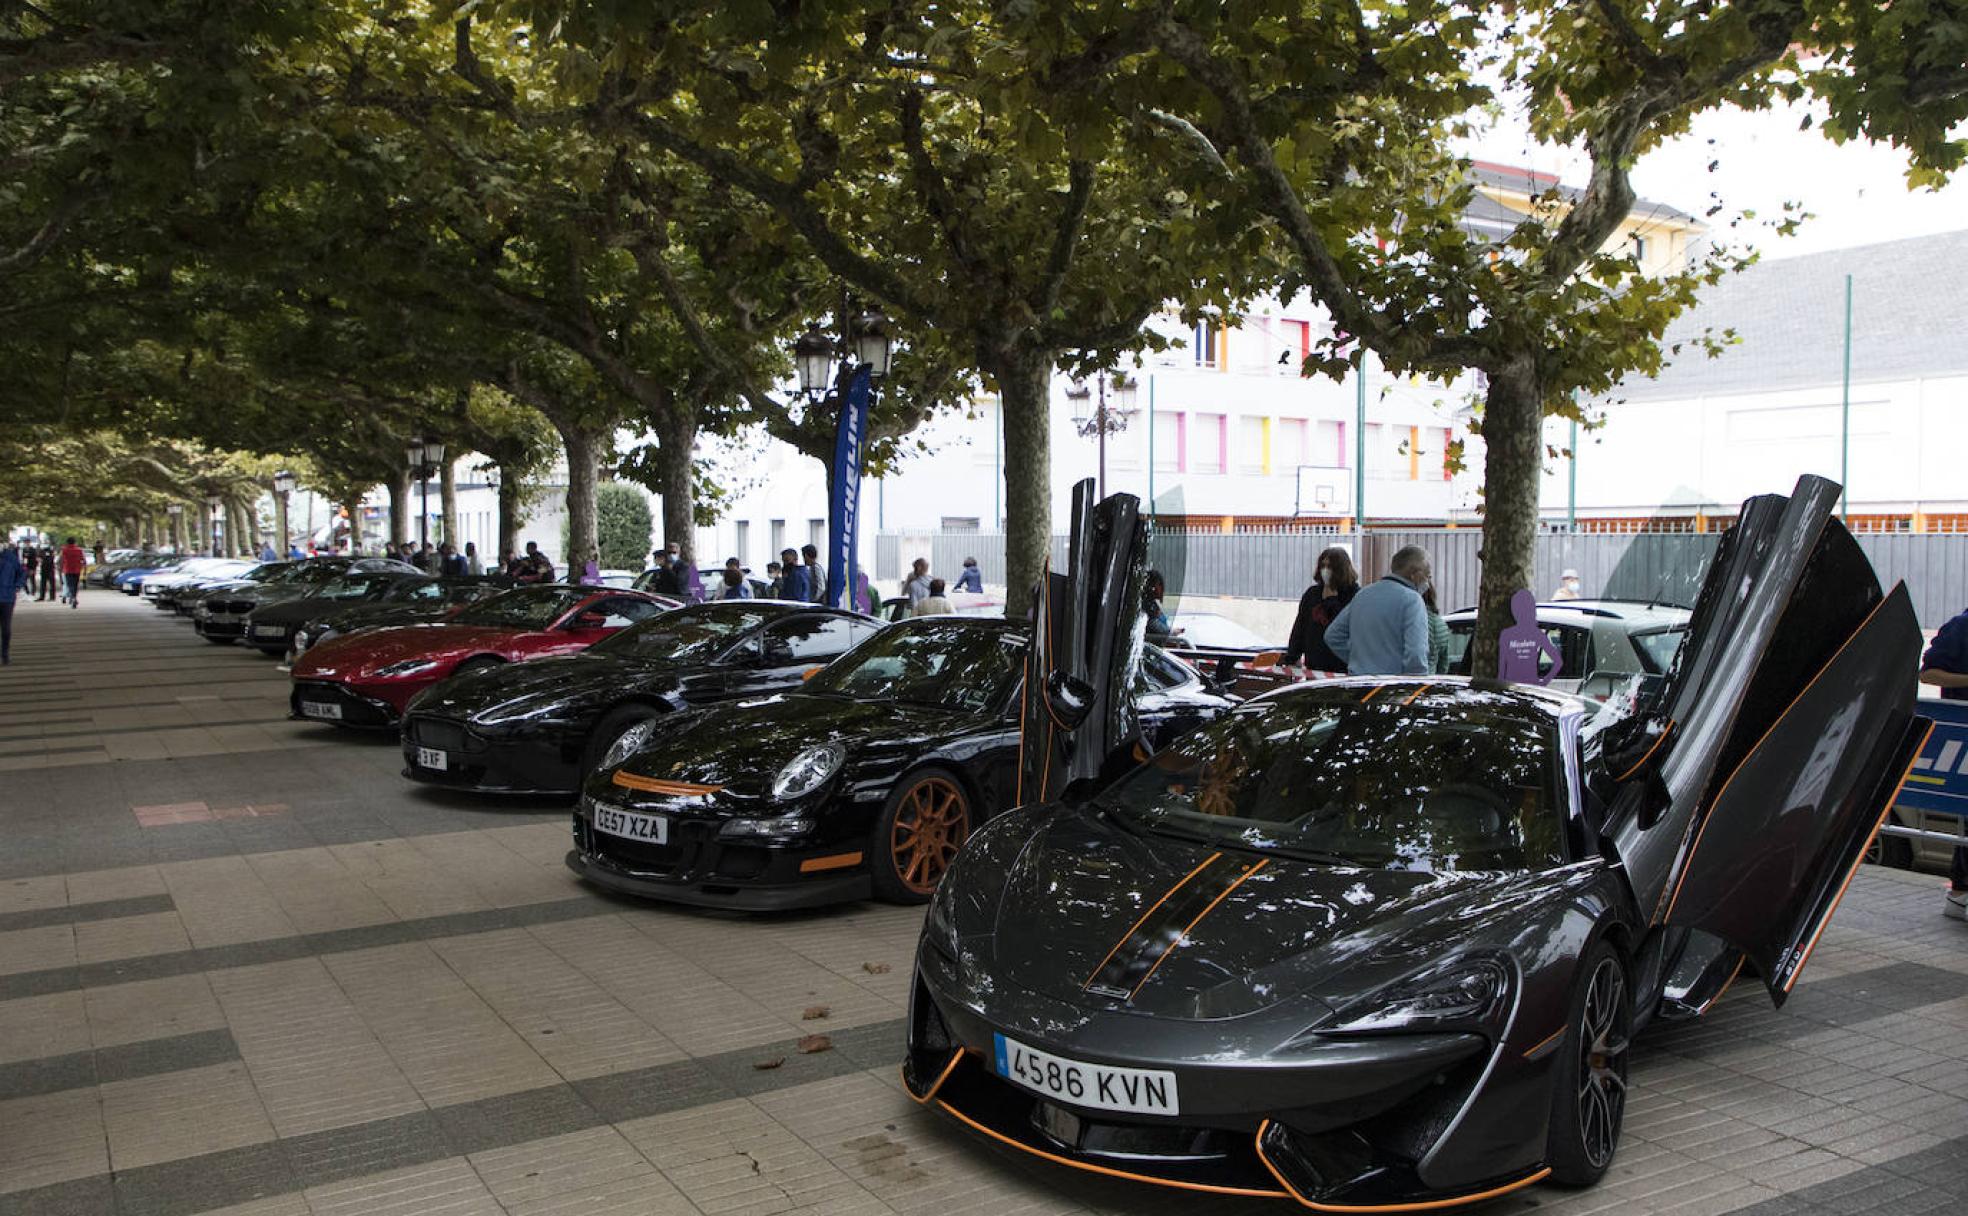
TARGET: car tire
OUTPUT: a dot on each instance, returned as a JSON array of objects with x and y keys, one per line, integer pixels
[
  {"x": 612, "y": 726},
  {"x": 1893, "y": 852},
  {"x": 924, "y": 823},
  {"x": 1588, "y": 1100}
]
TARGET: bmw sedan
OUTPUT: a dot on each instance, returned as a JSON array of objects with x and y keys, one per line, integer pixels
[{"x": 866, "y": 780}]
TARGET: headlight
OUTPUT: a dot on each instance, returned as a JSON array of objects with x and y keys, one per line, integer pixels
[
  {"x": 940, "y": 927},
  {"x": 629, "y": 742},
  {"x": 408, "y": 667},
  {"x": 1467, "y": 992},
  {"x": 808, "y": 771},
  {"x": 784, "y": 827}
]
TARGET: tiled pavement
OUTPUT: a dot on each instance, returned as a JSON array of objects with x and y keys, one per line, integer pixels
[{"x": 244, "y": 967}]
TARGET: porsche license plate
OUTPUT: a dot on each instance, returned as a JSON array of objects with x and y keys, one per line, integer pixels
[
  {"x": 650, "y": 829},
  {"x": 268, "y": 631},
  {"x": 431, "y": 757},
  {"x": 328, "y": 711},
  {"x": 1138, "y": 1091}
]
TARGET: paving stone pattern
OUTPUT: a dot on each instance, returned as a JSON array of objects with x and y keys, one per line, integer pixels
[{"x": 246, "y": 968}]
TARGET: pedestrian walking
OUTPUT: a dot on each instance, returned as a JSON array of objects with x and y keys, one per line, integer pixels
[
  {"x": 1438, "y": 633},
  {"x": 45, "y": 572},
  {"x": 12, "y": 579},
  {"x": 29, "y": 562},
  {"x": 100, "y": 558},
  {"x": 916, "y": 586},
  {"x": 73, "y": 562},
  {"x": 266, "y": 552},
  {"x": 1334, "y": 584},
  {"x": 1568, "y": 586},
  {"x": 1945, "y": 666},
  {"x": 816, "y": 574},
  {"x": 972, "y": 579},
  {"x": 935, "y": 603},
  {"x": 795, "y": 580},
  {"x": 1384, "y": 631},
  {"x": 473, "y": 566}
]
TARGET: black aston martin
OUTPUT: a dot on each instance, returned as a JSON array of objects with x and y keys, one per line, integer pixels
[
  {"x": 270, "y": 626},
  {"x": 540, "y": 727},
  {"x": 865, "y": 780},
  {"x": 1382, "y": 944}
]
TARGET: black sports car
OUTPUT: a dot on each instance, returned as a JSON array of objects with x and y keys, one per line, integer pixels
[
  {"x": 1382, "y": 944},
  {"x": 219, "y": 614},
  {"x": 865, "y": 780},
  {"x": 407, "y": 600},
  {"x": 540, "y": 727}
]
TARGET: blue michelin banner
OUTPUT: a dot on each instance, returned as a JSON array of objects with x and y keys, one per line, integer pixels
[{"x": 844, "y": 510}]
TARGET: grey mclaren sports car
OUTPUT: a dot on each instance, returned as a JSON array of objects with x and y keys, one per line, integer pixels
[{"x": 1383, "y": 944}]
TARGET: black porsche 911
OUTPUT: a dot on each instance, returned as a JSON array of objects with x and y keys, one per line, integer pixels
[
  {"x": 1382, "y": 944},
  {"x": 866, "y": 780},
  {"x": 540, "y": 727}
]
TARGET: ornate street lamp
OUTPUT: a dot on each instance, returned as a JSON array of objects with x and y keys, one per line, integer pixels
[
  {"x": 283, "y": 487},
  {"x": 813, "y": 355},
  {"x": 215, "y": 507},
  {"x": 1108, "y": 416},
  {"x": 425, "y": 456},
  {"x": 873, "y": 338}
]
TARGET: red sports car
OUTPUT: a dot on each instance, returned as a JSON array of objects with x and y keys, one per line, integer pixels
[{"x": 365, "y": 679}]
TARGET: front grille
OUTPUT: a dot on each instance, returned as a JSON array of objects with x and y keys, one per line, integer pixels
[
  {"x": 680, "y": 856},
  {"x": 240, "y": 607},
  {"x": 435, "y": 732}
]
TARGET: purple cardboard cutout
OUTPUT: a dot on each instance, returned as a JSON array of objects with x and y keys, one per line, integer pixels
[{"x": 1519, "y": 645}]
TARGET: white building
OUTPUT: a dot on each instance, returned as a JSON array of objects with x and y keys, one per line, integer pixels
[{"x": 1684, "y": 449}]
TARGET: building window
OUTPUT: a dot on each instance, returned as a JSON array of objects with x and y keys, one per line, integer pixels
[
  {"x": 1298, "y": 344},
  {"x": 1203, "y": 341},
  {"x": 1253, "y": 446},
  {"x": 778, "y": 533},
  {"x": 1385, "y": 459},
  {"x": 1329, "y": 448},
  {"x": 1211, "y": 431},
  {"x": 1640, "y": 248},
  {"x": 816, "y": 533},
  {"x": 744, "y": 543},
  {"x": 1288, "y": 449},
  {"x": 1171, "y": 442}
]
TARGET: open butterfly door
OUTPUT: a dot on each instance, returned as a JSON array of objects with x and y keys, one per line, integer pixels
[{"x": 1788, "y": 726}]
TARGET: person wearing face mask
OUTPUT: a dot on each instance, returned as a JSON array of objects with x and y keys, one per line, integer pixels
[
  {"x": 1334, "y": 583},
  {"x": 1384, "y": 631}
]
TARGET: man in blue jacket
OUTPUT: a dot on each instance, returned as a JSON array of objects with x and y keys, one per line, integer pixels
[
  {"x": 1945, "y": 666},
  {"x": 795, "y": 580},
  {"x": 1384, "y": 631}
]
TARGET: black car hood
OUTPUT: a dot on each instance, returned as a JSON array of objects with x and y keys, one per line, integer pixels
[
  {"x": 547, "y": 688},
  {"x": 295, "y": 611},
  {"x": 1085, "y": 893},
  {"x": 742, "y": 746}
]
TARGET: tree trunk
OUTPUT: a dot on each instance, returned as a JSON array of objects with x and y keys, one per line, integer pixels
[
  {"x": 399, "y": 496},
  {"x": 1024, "y": 395},
  {"x": 1513, "y": 465},
  {"x": 676, "y": 439},
  {"x": 510, "y": 490},
  {"x": 583, "y": 448},
  {"x": 447, "y": 489}
]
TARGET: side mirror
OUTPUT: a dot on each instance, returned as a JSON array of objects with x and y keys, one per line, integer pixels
[{"x": 1069, "y": 699}]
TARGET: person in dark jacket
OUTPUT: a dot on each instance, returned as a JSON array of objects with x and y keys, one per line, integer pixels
[
  {"x": 972, "y": 579},
  {"x": 45, "y": 576},
  {"x": 12, "y": 579},
  {"x": 795, "y": 580},
  {"x": 1334, "y": 584},
  {"x": 1945, "y": 666}
]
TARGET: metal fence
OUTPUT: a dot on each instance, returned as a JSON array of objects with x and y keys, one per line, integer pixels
[{"x": 1667, "y": 567}]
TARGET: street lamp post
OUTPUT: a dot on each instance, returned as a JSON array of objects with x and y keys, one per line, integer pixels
[
  {"x": 424, "y": 456},
  {"x": 830, "y": 370},
  {"x": 283, "y": 486},
  {"x": 215, "y": 506},
  {"x": 1105, "y": 418},
  {"x": 176, "y": 512}
]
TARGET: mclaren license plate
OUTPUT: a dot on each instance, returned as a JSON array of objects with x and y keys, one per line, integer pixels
[
  {"x": 432, "y": 757},
  {"x": 1138, "y": 1091},
  {"x": 327, "y": 711},
  {"x": 649, "y": 829}
]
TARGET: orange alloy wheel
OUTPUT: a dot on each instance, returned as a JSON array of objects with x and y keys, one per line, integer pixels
[{"x": 929, "y": 827}]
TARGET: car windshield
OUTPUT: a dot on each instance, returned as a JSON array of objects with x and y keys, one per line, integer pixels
[
  {"x": 1461, "y": 783},
  {"x": 522, "y": 608},
  {"x": 354, "y": 587},
  {"x": 946, "y": 664},
  {"x": 691, "y": 636}
]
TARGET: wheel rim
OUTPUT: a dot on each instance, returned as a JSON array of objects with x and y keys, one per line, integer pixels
[
  {"x": 1603, "y": 1042},
  {"x": 930, "y": 826}
]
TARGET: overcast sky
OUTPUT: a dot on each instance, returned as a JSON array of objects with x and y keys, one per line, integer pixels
[{"x": 1856, "y": 193}]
